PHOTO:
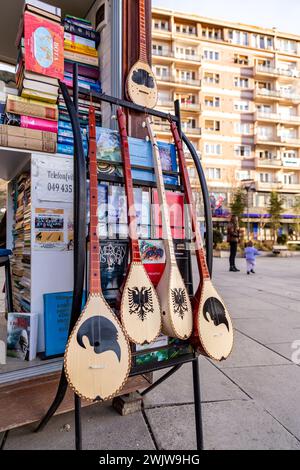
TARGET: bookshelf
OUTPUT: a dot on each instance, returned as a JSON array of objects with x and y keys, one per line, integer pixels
[{"x": 51, "y": 270}]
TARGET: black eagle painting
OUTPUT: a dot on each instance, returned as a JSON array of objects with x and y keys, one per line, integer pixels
[
  {"x": 179, "y": 301},
  {"x": 140, "y": 302},
  {"x": 214, "y": 308},
  {"x": 102, "y": 335}
]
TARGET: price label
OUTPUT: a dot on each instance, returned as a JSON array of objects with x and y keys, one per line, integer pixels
[{"x": 53, "y": 178}]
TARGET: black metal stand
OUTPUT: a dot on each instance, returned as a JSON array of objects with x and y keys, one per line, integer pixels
[{"x": 80, "y": 253}]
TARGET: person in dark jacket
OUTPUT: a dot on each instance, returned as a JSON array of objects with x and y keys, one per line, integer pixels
[{"x": 233, "y": 237}]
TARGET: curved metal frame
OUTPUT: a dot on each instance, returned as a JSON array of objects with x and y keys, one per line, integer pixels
[{"x": 79, "y": 240}]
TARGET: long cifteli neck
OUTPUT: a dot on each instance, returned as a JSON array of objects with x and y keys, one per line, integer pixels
[
  {"x": 200, "y": 255},
  {"x": 142, "y": 31},
  {"x": 166, "y": 226},
  {"x": 95, "y": 280},
  {"x": 132, "y": 221}
]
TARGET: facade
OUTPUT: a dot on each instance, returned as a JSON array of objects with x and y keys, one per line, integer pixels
[{"x": 240, "y": 103}]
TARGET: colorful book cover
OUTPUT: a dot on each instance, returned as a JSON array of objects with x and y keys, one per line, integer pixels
[
  {"x": 57, "y": 311},
  {"x": 175, "y": 203},
  {"x": 80, "y": 30},
  {"x": 154, "y": 258},
  {"x": 22, "y": 335},
  {"x": 117, "y": 212},
  {"x": 108, "y": 149},
  {"x": 113, "y": 262},
  {"x": 44, "y": 46}
]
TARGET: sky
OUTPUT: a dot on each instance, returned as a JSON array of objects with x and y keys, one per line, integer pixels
[{"x": 282, "y": 14}]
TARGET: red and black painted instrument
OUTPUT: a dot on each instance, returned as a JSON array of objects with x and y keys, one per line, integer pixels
[
  {"x": 213, "y": 331},
  {"x": 139, "y": 308},
  {"x": 98, "y": 358},
  {"x": 141, "y": 85}
]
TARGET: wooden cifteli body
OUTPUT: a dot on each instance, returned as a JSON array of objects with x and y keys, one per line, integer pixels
[
  {"x": 141, "y": 86},
  {"x": 139, "y": 307},
  {"x": 98, "y": 358},
  {"x": 176, "y": 308},
  {"x": 213, "y": 331}
]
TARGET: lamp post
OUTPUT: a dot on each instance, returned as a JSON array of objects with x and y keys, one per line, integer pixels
[{"x": 248, "y": 185}]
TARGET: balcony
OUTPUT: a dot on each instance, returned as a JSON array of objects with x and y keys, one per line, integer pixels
[
  {"x": 276, "y": 95},
  {"x": 268, "y": 186},
  {"x": 268, "y": 162},
  {"x": 161, "y": 127},
  {"x": 162, "y": 53},
  {"x": 276, "y": 117},
  {"x": 165, "y": 103},
  {"x": 190, "y": 106},
  {"x": 276, "y": 140},
  {"x": 191, "y": 130},
  {"x": 188, "y": 81},
  {"x": 265, "y": 71},
  {"x": 187, "y": 57}
]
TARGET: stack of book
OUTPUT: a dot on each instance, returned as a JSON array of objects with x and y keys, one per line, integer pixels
[
  {"x": 80, "y": 46},
  {"x": 21, "y": 258},
  {"x": 40, "y": 66}
]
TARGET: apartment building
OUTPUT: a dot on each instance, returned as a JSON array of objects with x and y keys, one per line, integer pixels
[{"x": 240, "y": 102}]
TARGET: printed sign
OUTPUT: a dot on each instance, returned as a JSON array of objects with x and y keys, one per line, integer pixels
[
  {"x": 51, "y": 230},
  {"x": 53, "y": 179}
]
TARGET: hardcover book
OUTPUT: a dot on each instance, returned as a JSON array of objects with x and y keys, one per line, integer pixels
[
  {"x": 113, "y": 262},
  {"x": 81, "y": 58},
  {"x": 83, "y": 70},
  {"x": 44, "y": 46},
  {"x": 154, "y": 258},
  {"x": 80, "y": 48},
  {"x": 30, "y": 139},
  {"x": 79, "y": 30},
  {"x": 22, "y": 335},
  {"x": 79, "y": 40},
  {"x": 175, "y": 203},
  {"x": 29, "y": 107},
  {"x": 39, "y": 124},
  {"x": 57, "y": 311}
]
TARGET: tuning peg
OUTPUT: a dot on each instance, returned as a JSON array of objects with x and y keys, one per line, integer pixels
[
  {"x": 113, "y": 117},
  {"x": 147, "y": 138},
  {"x": 144, "y": 124}
]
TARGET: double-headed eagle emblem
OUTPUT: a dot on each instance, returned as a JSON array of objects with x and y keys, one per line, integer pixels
[{"x": 140, "y": 302}]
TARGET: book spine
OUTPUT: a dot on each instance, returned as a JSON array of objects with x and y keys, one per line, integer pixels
[
  {"x": 80, "y": 49},
  {"x": 27, "y": 133},
  {"x": 38, "y": 96},
  {"x": 72, "y": 38},
  {"x": 80, "y": 31},
  {"x": 65, "y": 140},
  {"x": 30, "y": 109},
  {"x": 27, "y": 143},
  {"x": 90, "y": 72},
  {"x": 39, "y": 124},
  {"x": 81, "y": 58}
]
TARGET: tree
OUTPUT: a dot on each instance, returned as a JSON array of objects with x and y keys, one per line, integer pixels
[
  {"x": 296, "y": 208},
  {"x": 275, "y": 210},
  {"x": 238, "y": 203}
]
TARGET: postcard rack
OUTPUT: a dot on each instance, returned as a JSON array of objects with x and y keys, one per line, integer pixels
[{"x": 80, "y": 255}]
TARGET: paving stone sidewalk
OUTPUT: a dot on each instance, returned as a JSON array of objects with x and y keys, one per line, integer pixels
[{"x": 250, "y": 401}]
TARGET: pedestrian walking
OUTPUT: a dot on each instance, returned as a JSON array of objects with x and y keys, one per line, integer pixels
[
  {"x": 233, "y": 238},
  {"x": 250, "y": 255}
]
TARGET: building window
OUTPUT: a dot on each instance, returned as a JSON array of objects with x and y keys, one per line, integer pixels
[
  {"x": 241, "y": 105},
  {"x": 241, "y": 82},
  {"x": 211, "y": 78},
  {"x": 211, "y": 55},
  {"x": 161, "y": 72},
  {"x": 211, "y": 125},
  {"x": 157, "y": 49},
  {"x": 243, "y": 175},
  {"x": 212, "y": 33},
  {"x": 241, "y": 59},
  {"x": 242, "y": 150},
  {"x": 212, "y": 101},
  {"x": 213, "y": 173},
  {"x": 265, "y": 177},
  {"x": 242, "y": 128},
  {"x": 266, "y": 155},
  {"x": 238, "y": 37},
  {"x": 161, "y": 24},
  {"x": 262, "y": 42},
  {"x": 213, "y": 149},
  {"x": 287, "y": 45},
  {"x": 289, "y": 178},
  {"x": 186, "y": 29}
]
